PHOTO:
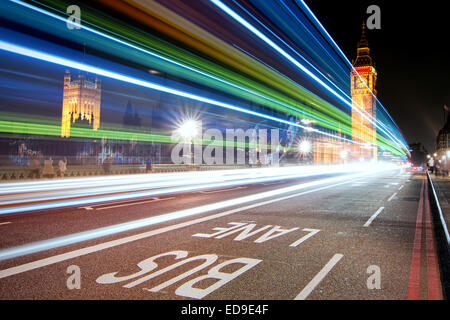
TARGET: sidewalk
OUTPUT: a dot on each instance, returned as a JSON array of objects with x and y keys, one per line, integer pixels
[
  {"x": 442, "y": 188},
  {"x": 440, "y": 191}
]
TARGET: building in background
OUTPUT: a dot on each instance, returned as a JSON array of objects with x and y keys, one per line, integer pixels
[
  {"x": 442, "y": 152},
  {"x": 418, "y": 154},
  {"x": 443, "y": 138},
  {"x": 81, "y": 102},
  {"x": 363, "y": 92}
]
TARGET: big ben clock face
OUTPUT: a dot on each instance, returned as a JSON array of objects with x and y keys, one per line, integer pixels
[{"x": 359, "y": 84}]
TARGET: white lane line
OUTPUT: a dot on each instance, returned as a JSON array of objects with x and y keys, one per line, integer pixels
[
  {"x": 270, "y": 183},
  {"x": 373, "y": 217},
  {"x": 109, "y": 203},
  {"x": 319, "y": 277},
  {"x": 392, "y": 197},
  {"x": 400, "y": 188},
  {"x": 222, "y": 190},
  {"x": 2, "y": 223},
  {"x": 113, "y": 243},
  {"x": 134, "y": 203},
  {"x": 358, "y": 184}
]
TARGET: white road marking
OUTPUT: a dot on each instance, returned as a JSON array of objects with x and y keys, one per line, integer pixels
[
  {"x": 373, "y": 217},
  {"x": 221, "y": 190},
  {"x": 90, "y": 207},
  {"x": 134, "y": 203},
  {"x": 392, "y": 197},
  {"x": 2, "y": 223},
  {"x": 306, "y": 237},
  {"x": 401, "y": 187},
  {"x": 113, "y": 243},
  {"x": 319, "y": 277},
  {"x": 357, "y": 184},
  {"x": 270, "y": 183}
]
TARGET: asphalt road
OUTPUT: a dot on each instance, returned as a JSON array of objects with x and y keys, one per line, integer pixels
[{"x": 348, "y": 239}]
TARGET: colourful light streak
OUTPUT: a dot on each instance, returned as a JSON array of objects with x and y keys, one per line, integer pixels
[
  {"x": 403, "y": 144},
  {"x": 323, "y": 122},
  {"x": 63, "y": 194},
  {"x": 132, "y": 225},
  {"x": 322, "y": 119},
  {"x": 120, "y": 77},
  {"x": 242, "y": 21}
]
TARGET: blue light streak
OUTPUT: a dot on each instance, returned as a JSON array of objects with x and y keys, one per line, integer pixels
[
  {"x": 243, "y": 22},
  {"x": 120, "y": 77}
]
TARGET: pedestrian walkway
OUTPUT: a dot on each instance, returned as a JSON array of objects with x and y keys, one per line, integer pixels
[
  {"x": 442, "y": 188},
  {"x": 440, "y": 203}
]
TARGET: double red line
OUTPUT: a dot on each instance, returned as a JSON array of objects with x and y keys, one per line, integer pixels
[{"x": 433, "y": 290}]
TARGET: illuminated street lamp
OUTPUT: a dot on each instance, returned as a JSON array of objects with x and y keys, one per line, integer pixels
[
  {"x": 344, "y": 154},
  {"x": 435, "y": 154},
  {"x": 305, "y": 146},
  {"x": 428, "y": 156},
  {"x": 188, "y": 130},
  {"x": 307, "y": 121}
]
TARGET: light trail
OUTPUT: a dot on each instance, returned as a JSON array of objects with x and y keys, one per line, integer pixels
[
  {"x": 136, "y": 224},
  {"x": 172, "y": 61},
  {"x": 120, "y": 77},
  {"x": 331, "y": 40},
  {"x": 250, "y": 27},
  {"x": 62, "y": 193},
  {"x": 322, "y": 120}
]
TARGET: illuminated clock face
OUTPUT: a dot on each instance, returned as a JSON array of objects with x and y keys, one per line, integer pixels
[{"x": 359, "y": 84}]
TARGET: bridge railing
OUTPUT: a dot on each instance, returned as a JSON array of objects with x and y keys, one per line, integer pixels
[{"x": 25, "y": 172}]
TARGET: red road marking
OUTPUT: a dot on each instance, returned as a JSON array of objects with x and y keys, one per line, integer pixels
[
  {"x": 432, "y": 270},
  {"x": 414, "y": 275}
]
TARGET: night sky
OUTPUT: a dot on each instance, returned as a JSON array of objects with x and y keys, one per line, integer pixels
[{"x": 411, "y": 56}]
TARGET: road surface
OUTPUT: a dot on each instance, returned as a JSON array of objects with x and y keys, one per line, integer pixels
[{"x": 360, "y": 238}]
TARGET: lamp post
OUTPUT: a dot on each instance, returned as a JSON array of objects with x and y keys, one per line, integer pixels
[{"x": 304, "y": 149}]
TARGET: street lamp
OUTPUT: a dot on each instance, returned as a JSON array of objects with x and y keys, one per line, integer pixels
[
  {"x": 188, "y": 130},
  {"x": 305, "y": 146},
  {"x": 343, "y": 154}
]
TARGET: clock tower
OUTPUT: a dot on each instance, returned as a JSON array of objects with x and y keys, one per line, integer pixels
[{"x": 364, "y": 105}]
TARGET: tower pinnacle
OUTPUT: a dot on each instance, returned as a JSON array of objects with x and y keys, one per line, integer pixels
[{"x": 363, "y": 51}]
